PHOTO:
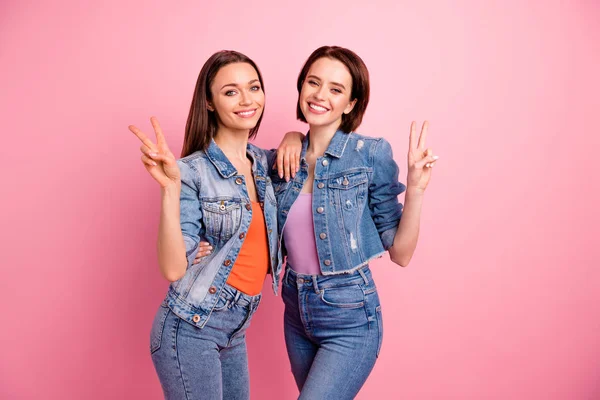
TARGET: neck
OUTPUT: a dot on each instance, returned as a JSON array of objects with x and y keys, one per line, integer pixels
[
  {"x": 233, "y": 143},
  {"x": 320, "y": 137}
]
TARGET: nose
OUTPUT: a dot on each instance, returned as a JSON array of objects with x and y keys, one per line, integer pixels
[
  {"x": 246, "y": 98},
  {"x": 320, "y": 93}
]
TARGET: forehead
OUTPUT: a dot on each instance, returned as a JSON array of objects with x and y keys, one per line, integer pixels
[
  {"x": 329, "y": 69},
  {"x": 238, "y": 73}
]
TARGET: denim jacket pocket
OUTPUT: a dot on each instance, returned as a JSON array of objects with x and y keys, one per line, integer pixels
[
  {"x": 221, "y": 218},
  {"x": 348, "y": 191}
]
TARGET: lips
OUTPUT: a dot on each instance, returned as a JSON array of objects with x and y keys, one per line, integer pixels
[
  {"x": 316, "y": 108},
  {"x": 246, "y": 113}
]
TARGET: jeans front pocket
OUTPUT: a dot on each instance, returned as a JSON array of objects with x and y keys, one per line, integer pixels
[
  {"x": 158, "y": 326},
  {"x": 351, "y": 296}
]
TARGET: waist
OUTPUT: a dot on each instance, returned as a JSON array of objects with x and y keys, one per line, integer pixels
[{"x": 359, "y": 276}]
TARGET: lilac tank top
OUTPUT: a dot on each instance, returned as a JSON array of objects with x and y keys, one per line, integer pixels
[{"x": 299, "y": 236}]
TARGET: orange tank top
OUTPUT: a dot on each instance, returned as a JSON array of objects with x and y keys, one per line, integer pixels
[{"x": 251, "y": 266}]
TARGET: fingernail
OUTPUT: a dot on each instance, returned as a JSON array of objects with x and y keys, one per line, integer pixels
[
  {"x": 428, "y": 165},
  {"x": 152, "y": 154},
  {"x": 154, "y": 163},
  {"x": 280, "y": 176},
  {"x": 287, "y": 178}
]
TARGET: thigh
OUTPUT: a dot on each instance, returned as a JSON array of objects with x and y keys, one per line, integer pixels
[
  {"x": 348, "y": 330},
  {"x": 341, "y": 366},
  {"x": 301, "y": 350},
  {"x": 234, "y": 368},
  {"x": 187, "y": 364}
]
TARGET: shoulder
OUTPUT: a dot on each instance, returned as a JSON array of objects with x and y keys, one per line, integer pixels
[{"x": 260, "y": 154}]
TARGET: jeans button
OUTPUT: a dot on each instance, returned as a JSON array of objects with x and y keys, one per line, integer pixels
[{"x": 196, "y": 318}]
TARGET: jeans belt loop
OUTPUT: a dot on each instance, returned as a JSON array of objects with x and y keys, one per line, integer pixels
[
  {"x": 315, "y": 286},
  {"x": 364, "y": 276}
]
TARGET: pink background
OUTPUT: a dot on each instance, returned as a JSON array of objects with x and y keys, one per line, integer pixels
[{"x": 501, "y": 298}]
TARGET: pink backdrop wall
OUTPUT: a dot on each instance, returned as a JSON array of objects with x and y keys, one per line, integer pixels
[{"x": 501, "y": 299}]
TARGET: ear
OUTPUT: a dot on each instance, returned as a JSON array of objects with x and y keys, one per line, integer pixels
[
  {"x": 209, "y": 106},
  {"x": 349, "y": 107}
]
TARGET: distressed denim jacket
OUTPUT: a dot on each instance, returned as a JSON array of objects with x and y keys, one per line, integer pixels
[
  {"x": 215, "y": 207},
  {"x": 355, "y": 204}
]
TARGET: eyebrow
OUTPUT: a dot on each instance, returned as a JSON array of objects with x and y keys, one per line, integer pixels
[
  {"x": 333, "y": 83},
  {"x": 236, "y": 85}
]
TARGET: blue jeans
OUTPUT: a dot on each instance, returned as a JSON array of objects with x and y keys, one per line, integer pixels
[
  {"x": 333, "y": 332},
  {"x": 208, "y": 363}
]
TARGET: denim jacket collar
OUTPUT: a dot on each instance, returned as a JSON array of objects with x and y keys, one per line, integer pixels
[
  {"x": 222, "y": 163},
  {"x": 336, "y": 146}
]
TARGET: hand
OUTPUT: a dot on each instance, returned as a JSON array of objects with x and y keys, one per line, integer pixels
[
  {"x": 420, "y": 159},
  {"x": 288, "y": 154},
  {"x": 204, "y": 249},
  {"x": 157, "y": 158}
]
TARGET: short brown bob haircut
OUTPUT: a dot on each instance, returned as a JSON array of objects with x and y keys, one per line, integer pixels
[{"x": 360, "y": 83}]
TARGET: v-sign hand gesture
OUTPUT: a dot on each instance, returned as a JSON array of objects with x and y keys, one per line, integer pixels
[
  {"x": 420, "y": 159},
  {"x": 157, "y": 158}
]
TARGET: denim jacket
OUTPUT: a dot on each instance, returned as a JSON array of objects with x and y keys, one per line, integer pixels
[
  {"x": 215, "y": 207},
  {"x": 356, "y": 211}
]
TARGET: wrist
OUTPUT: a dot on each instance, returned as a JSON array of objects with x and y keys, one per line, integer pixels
[
  {"x": 171, "y": 190},
  {"x": 413, "y": 191}
]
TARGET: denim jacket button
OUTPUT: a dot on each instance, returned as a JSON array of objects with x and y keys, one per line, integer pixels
[
  {"x": 320, "y": 210},
  {"x": 239, "y": 181},
  {"x": 227, "y": 263},
  {"x": 324, "y": 162},
  {"x": 323, "y": 235},
  {"x": 248, "y": 206},
  {"x": 242, "y": 235},
  {"x": 327, "y": 262},
  {"x": 212, "y": 290},
  {"x": 196, "y": 318},
  {"x": 321, "y": 185}
]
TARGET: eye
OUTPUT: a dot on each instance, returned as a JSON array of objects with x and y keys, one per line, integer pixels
[
  {"x": 336, "y": 91},
  {"x": 255, "y": 88},
  {"x": 230, "y": 93},
  {"x": 313, "y": 83}
]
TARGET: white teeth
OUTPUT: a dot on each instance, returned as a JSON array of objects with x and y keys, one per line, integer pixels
[
  {"x": 246, "y": 113},
  {"x": 316, "y": 107}
]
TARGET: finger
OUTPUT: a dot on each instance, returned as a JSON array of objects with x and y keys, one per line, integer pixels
[
  {"x": 412, "y": 139},
  {"x": 297, "y": 155},
  {"x": 423, "y": 136},
  {"x": 140, "y": 135},
  {"x": 147, "y": 150},
  {"x": 162, "y": 158},
  {"x": 160, "y": 138},
  {"x": 287, "y": 165},
  {"x": 426, "y": 161},
  {"x": 294, "y": 165},
  {"x": 146, "y": 160},
  {"x": 280, "y": 164}
]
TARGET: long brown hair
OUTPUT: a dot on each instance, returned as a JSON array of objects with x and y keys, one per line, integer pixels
[
  {"x": 360, "y": 83},
  {"x": 202, "y": 124}
]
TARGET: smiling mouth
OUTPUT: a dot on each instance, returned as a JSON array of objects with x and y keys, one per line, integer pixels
[
  {"x": 317, "y": 108},
  {"x": 246, "y": 113}
]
